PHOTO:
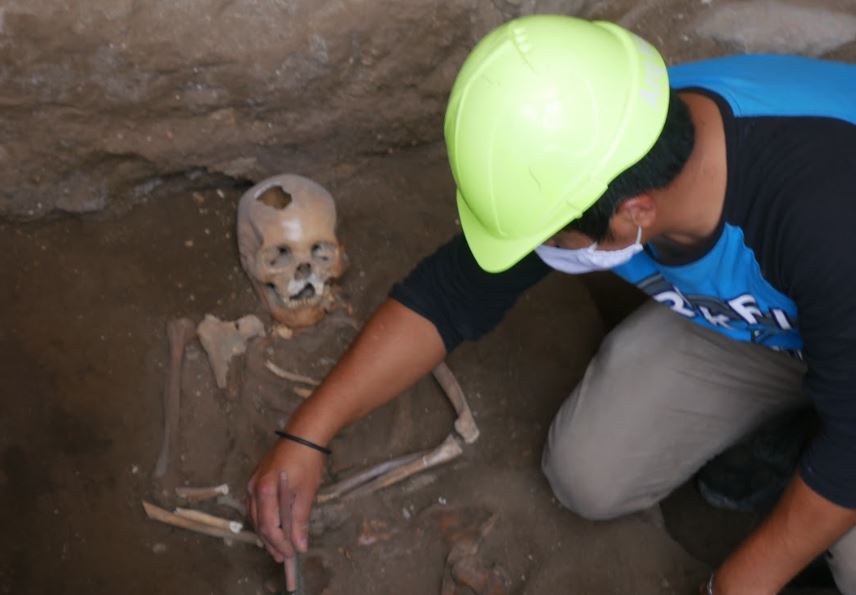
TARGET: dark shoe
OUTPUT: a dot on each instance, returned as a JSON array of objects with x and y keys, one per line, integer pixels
[{"x": 751, "y": 475}]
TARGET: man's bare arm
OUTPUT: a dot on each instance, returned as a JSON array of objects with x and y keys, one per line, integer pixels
[{"x": 395, "y": 349}]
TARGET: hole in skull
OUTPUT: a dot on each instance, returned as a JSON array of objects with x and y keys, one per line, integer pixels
[{"x": 275, "y": 197}]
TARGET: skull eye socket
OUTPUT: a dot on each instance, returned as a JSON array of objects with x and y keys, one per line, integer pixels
[
  {"x": 323, "y": 251},
  {"x": 279, "y": 256}
]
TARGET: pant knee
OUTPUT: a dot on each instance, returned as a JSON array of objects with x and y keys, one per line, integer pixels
[
  {"x": 842, "y": 562},
  {"x": 845, "y": 581},
  {"x": 582, "y": 490}
]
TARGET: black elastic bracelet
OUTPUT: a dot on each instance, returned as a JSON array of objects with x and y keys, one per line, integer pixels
[{"x": 303, "y": 441}]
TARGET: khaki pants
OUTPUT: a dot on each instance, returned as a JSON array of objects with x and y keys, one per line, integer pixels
[{"x": 661, "y": 398}]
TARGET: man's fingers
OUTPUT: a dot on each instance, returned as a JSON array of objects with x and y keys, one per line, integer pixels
[
  {"x": 300, "y": 509},
  {"x": 252, "y": 510},
  {"x": 269, "y": 520}
]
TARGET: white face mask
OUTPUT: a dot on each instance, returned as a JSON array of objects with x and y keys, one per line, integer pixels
[{"x": 589, "y": 258}]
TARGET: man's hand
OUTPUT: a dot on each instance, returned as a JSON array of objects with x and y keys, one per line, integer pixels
[
  {"x": 395, "y": 349},
  {"x": 279, "y": 499},
  {"x": 801, "y": 527}
]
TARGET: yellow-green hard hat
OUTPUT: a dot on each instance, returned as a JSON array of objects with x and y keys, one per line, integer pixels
[{"x": 544, "y": 113}]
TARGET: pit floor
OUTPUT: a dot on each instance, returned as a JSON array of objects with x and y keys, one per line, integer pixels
[{"x": 83, "y": 353}]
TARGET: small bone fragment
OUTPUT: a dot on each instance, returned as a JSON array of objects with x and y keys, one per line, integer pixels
[
  {"x": 210, "y": 519},
  {"x": 223, "y": 340},
  {"x": 202, "y": 494},
  {"x": 340, "y": 488},
  {"x": 179, "y": 333},
  {"x": 449, "y": 450},
  {"x": 373, "y": 531},
  {"x": 283, "y": 332},
  {"x": 169, "y": 518},
  {"x": 277, "y": 371},
  {"x": 465, "y": 425},
  {"x": 303, "y": 393}
]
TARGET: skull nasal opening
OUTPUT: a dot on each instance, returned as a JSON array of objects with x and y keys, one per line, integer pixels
[{"x": 304, "y": 269}]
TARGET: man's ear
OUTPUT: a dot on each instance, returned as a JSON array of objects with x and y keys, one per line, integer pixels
[{"x": 641, "y": 211}]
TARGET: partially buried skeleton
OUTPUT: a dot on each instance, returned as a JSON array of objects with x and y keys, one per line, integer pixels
[{"x": 289, "y": 249}]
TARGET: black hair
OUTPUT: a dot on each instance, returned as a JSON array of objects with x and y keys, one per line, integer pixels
[{"x": 657, "y": 169}]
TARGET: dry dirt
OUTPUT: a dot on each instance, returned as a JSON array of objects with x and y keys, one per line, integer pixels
[{"x": 83, "y": 353}]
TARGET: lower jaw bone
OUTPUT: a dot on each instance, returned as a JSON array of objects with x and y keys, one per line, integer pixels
[{"x": 295, "y": 313}]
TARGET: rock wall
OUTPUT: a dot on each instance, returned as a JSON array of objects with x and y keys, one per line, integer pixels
[{"x": 103, "y": 102}]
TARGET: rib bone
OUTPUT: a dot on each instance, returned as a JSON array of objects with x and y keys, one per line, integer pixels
[{"x": 277, "y": 371}]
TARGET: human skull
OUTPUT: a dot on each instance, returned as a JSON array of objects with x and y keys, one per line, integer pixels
[{"x": 288, "y": 246}]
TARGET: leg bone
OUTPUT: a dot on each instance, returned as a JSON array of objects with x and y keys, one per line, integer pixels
[{"x": 179, "y": 332}]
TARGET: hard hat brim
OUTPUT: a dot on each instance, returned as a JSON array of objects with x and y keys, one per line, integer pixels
[{"x": 497, "y": 255}]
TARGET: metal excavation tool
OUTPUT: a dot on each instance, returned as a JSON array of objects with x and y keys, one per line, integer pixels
[{"x": 298, "y": 577}]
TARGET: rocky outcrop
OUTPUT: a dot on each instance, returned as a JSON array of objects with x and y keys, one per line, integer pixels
[
  {"x": 106, "y": 101},
  {"x": 768, "y": 26}
]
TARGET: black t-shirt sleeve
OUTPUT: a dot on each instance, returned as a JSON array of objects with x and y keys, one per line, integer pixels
[
  {"x": 820, "y": 261},
  {"x": 792, "y": 185},
  {"x": 462, "y": 300}
]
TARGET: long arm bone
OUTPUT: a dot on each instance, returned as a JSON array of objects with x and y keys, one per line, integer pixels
[
  {"x": 449, "y": 450},
  {"x": 399, "y": 468},
  {"x": 340, "y": 488},
  {"x": 179, "y": 333},
  {"x": 465, "y": 425},
  {"x": 170, "y": 518},
  {"x": 209, "y": 519}
]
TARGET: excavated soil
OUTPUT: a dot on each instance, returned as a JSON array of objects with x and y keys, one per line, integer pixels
[{"x": 83, "y": 355}]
